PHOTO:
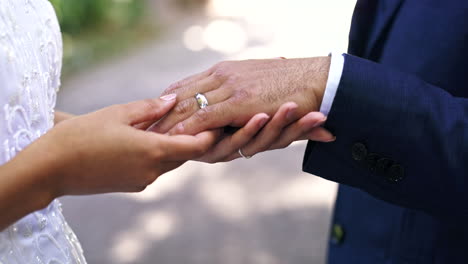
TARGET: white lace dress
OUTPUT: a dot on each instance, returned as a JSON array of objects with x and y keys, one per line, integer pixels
[{"x": 30, "y": 64}]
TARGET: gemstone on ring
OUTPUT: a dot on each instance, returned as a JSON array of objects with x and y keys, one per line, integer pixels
[{"x": 201, "y": 100}]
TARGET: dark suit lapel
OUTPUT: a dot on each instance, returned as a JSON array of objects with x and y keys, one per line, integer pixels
[{"x": 387, "y": 10}]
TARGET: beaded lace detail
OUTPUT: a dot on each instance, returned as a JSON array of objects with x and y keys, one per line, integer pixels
[{"x": 30, "y": 65}]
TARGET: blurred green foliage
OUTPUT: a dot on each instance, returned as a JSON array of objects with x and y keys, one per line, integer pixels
[
  {"x": 76, "y": 16},
  {"x": 96, "y": 29},
  {"x": 191, "y": 3}
]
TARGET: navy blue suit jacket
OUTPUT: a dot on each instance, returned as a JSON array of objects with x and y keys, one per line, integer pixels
[{"x": 401, "y": 120}]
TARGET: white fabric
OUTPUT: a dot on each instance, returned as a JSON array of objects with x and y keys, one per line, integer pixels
[
  {"x": 334, "y": 77},
  {"x": 30, "y": 64}
]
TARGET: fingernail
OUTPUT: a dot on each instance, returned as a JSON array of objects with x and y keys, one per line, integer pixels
[
  {"x": 179, "y": 128},
  {"x": 291, "y": 114},
  {"x": 168, "y": 97},
  {"x": 321, "y": 122},
  {"x": 331, "y": 140},
  {"x": 263, "y": 121}
]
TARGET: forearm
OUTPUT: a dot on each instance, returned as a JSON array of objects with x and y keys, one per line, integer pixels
[
  {"x": 100, "y": 152},
  {"x": 61, "y": 116},
  {"x": 25, "y": 188}
]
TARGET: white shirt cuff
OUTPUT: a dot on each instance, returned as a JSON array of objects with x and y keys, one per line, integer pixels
[{"x": 334, "y": 77}]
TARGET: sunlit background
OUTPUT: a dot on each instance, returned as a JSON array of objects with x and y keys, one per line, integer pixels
[{"x": 263, "y": 210}]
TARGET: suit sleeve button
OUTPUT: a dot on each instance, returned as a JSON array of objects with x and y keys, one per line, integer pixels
[
  {"x": 383, "y": 166},
  {"x": 371, "y": 161},
  {"x": 395, "y": 173},
  {"x": 359, "y": 152}
]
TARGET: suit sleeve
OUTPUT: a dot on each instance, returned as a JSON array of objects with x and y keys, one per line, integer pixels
[{"x": 399, "y": 138}]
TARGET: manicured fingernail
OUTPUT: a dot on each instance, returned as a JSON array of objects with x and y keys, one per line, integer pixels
[
  {"x": 168, "y": 97},
  {"x": 331, "y": 140}
]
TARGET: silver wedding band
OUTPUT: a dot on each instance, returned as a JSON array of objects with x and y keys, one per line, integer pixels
[
  {"x": 201, "y": 100},
  {"x": 244, "y": 156}
]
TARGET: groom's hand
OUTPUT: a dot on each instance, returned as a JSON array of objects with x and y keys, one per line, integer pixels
[
  {"x": 237, "y": 90},
  {"x": 259, "y": 136}
]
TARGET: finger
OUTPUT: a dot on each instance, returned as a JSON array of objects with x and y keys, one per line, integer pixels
[
  {"x": 285, "y": 115},
  {"x": 299, "y": 129},
  {"x": 203, "y": 86},
  {"x": 191, "y": 119},
  {"x": 145, "y": 110},
  {"x": 144, "y": 125},
  {"x": 319, "y": 134},
  {"x": 233, "y": 142},
  {"x": 183, "y": 147},
  {"x": 188, "y": 107},
  {"x": 232, "y": 157},
  {"x": 186, "y": 81}
]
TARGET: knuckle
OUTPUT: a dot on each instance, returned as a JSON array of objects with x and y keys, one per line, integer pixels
[
  {"x": 219, "y": 74},
  {"x": 152, "y": 153},
  {"x": 233, "y": 78},
  {"x": 173, "y": 87},
  {"x": 202, "y": 115},
  {"x": 241, "y": 95},
  {"x": 222, "y": 70},
  {"x": 155, "y": 154},
  {"x": 148, "y": 105},
  {"x": 184, "y": 107}
]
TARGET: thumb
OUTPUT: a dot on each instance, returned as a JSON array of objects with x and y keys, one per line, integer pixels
[{"x": 147, "y": 110}]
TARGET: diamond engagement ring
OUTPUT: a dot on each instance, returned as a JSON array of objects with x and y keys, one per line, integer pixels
[
  {"x": 244, "y": 156},
  {"x": 201, "y": 100}
]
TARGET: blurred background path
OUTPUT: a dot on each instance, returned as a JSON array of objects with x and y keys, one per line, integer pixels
[{"x": 263, "y": 210}]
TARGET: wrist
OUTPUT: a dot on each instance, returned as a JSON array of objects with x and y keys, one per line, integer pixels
[
  {"x": 320, "y": 67},
  {"x": 28, "y": 185},
  {"x": 45, "y": 159},
  {"x": 57, "y": 164}
]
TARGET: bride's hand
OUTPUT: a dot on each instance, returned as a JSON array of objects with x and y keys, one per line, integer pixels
[
  {"x": 103, "y": 151},
  {"x": 262, "y": 134}
]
